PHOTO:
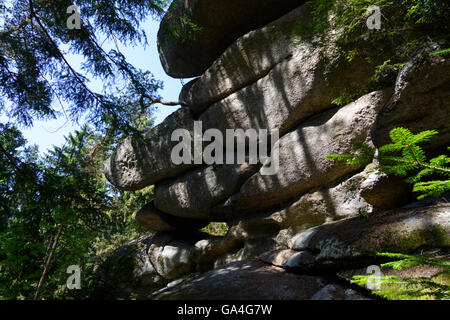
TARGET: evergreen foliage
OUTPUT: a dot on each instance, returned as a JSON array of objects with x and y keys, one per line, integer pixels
[
  {"x": 405, "y": 157},
  {"x": 38, "y": 79},
  {"x": 62, "y": 190},
  {"x": 440, "y": 52},
  {"x": 405, "y": 26},
  {"x": 62, "y": 198},
  {"x": 407, "y": 288}
]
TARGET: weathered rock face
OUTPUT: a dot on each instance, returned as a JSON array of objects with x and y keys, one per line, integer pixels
[
  {"x": 248, "y": 59},
  {"x": 302, "y": 162},
  {"x": 247, "y": 280},
  {"x": 340, "y": 247},
  {"x": 195, "y": 193},
  {"x": 127, "y": 271},
  {"x": 420, "y": 101},
  {"x": 153, "y": 219},
  {"x": 138, "y": 163},
  {"x": 356, "y": 241},
  {"x": 206, "y": 28},
  {"x": 383, "y": 191},
  {"x": 311, "y": 214},
  {"x": 345, "y": 242},
  {"x": 337, "y": 292}
]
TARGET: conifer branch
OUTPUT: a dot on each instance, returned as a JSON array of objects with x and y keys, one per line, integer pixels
[{"x": 412, "y": 159}]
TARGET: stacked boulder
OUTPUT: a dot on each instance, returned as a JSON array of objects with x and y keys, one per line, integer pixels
[{"x": 254, "y": 72}]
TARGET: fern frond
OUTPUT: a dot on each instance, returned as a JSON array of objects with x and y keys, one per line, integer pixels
[
  {"x": 414, "y": 153},
  {"x": 440, "y": 52},
  {"x": 423, "y": 136},
  {"x": 390, "y": 148},
  {"x": 432, "y": 188},
  {"x": 405, "y": 157},
  {"x": 401, "y": 136},
  {"x": 363, "y": 155}
]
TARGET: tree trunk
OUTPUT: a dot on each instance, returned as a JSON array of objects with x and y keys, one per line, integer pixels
[{"x": 48, "y": 263}]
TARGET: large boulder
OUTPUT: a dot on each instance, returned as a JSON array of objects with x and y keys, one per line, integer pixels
[
  {"x": 247, "y": 280},
  {"x": 424, "y": 272},
  {"x": 271, "y": 78},
  {"x": 248, "y": 59},
  {"x": 126, "y": 271},
  {"x": 170, "y": 255},
  {"x": 301, "y": 154},
  {"x": 357, "y": 241},
  {"x": 194, "y": 33},
  {"x": 302, "y": 85},
  {"x": 194, "y": 194},
  {"x": 385, "y": 192},
  {"x": 142, "y": 161},
  {"x": 156, "y": 220},
  {"x": 420, "y": 101},
  {"x": 251, "y": 249},
  {"x": 338, "y": 292}
]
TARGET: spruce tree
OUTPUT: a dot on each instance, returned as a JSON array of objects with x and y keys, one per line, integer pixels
[{"x": 36, "y": 74}]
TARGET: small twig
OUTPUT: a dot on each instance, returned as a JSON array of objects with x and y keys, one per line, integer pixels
[{"x": 154, "y": 101}]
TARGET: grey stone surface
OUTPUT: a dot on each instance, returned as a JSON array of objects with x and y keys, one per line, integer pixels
[
  {"x": 247, "y": 280},
  {"x": 206, "y": 251},
  {"x": 302, "y": 162},
  {"x": 170, "y": 256},
  {"x": 156, "y": 220},
  {"x": 194, "y": 194},
  {"x": 206, "y": 28},
  {"x": 386, "y": 192},
  {"x": 127, "y": 270},
  {"x": 337, "y": 292},
  {"x": 355, "y": 239},
  {"x": 137, "y": 163},
  {"x": 303, "y": 260},
  {"x": 248, "y": 59},
  {"x": 301, "y": 241},
  {"x": 420, "y": 101},
  {"x": 292, "y": 91}
]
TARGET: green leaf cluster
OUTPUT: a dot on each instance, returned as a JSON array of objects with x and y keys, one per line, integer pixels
[
  {"x": 406, "y": 158},
  {"x": 406, "y": 288},
  {"x": 39, "y": 79},
  {"x": 40, "y": 193}
]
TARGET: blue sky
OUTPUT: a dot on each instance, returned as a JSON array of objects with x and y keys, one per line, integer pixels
[{"x": 48, "y": 133}]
